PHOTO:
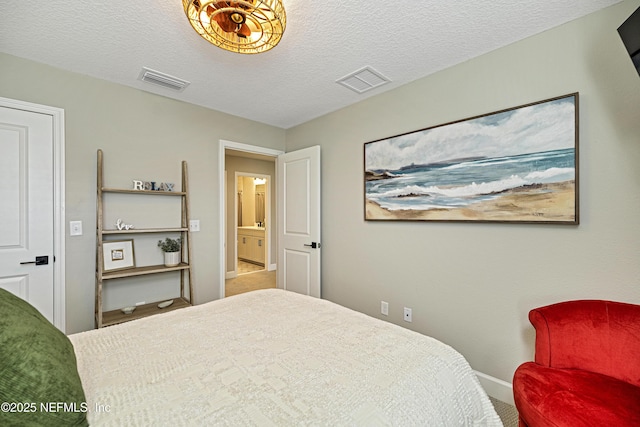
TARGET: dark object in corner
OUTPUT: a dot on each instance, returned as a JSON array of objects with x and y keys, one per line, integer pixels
[{"x": 630, "y": 33}]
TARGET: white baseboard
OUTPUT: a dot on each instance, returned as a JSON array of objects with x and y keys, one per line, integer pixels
[
  {"x": 496, "y": 388},
  {"x": 271, "y": 267}
]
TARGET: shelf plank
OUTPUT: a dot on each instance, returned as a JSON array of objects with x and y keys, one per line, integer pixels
[
  {"x": 114, "y": 317},
  {"x": 139, "y": 271},
  {"x": 146, "y": 230},
  {"x": 154, "y": 192}
]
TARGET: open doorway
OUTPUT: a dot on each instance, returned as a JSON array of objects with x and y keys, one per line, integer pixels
[
  {"x": 252, "y": 216},
  {"x": 250, "y": 241}
]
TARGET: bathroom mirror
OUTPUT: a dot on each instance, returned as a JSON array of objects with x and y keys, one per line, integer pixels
[{"x": 251, "y": 201}]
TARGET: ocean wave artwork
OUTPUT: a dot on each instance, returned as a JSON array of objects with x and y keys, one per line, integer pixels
[{"x": 514, "y": 165}]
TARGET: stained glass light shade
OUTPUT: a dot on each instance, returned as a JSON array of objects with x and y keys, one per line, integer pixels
[{"x": 250, "y": 26}]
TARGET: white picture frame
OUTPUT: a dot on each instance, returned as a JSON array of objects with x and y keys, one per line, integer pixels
[{"x": 118, "y": 255}]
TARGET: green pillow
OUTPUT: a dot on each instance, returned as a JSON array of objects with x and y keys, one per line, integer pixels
[{"x": 39, "y": 381}]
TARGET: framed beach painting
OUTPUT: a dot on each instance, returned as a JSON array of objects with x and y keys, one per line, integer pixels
[{"x": 515, "y": 165}]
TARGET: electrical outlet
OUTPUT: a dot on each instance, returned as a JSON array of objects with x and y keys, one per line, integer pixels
[
  {"x": 194, "y": 225},
  {"x": 384, "y": 308},
  {"x": 407, "y": 314}
]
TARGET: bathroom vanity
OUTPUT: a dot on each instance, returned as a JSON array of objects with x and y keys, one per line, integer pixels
[{"x": 252, "y": 244}]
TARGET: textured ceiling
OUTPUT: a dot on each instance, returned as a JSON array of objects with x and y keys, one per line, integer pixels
[{"x": 294, "y": 82}]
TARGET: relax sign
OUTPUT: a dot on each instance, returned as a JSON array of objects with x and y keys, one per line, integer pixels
[{"x": 151, "y": 186}]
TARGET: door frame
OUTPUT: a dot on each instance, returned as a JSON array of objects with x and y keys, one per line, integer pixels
[
  {"x": 59, "y": 288},
  {"x": 222, "y": 194}
]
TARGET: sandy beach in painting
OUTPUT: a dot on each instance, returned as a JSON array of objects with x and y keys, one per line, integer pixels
[{"x": 534, "y": 203}]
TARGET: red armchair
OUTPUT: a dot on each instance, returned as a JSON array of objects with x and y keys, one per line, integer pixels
[{"x": 587, "y": 366}]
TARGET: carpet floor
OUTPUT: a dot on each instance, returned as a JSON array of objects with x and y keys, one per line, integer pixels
[{"x": 507, "y": 413}]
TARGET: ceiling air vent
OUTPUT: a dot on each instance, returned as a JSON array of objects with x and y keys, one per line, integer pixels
[
  {"x": 363, "y": 80},
  {"x": 161, "y": 79}
]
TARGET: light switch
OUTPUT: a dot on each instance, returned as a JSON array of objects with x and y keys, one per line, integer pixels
[
  {"x": 75, "y": 228},
  {"x": 194, "y": 225}
]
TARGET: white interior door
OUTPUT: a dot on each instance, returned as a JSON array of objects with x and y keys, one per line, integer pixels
[
  {"x": 27, "y": 208},
  {"x": 299, "y": 221}
]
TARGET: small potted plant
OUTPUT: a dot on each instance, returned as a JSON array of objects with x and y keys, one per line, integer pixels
[{"x": 171, "y": 249}]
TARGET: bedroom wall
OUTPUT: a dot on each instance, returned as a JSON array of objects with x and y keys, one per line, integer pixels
[
  {"x": 142, "y": 135},
  {"x": 470, "y": 284}
]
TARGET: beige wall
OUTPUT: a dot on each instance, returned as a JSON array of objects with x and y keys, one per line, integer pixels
[
  {"x": 142, "y": 135},
  {"x": 470, "y": 284}
]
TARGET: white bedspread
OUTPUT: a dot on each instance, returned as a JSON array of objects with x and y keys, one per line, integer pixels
[{"x": 275, "y": 358}]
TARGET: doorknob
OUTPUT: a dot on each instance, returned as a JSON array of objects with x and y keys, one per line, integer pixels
[
  {"x": 40, "y": 260},
  {"x": 313, "y": 245}
]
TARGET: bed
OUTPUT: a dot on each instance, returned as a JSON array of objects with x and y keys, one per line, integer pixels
[{"x": 274, "y": 358}]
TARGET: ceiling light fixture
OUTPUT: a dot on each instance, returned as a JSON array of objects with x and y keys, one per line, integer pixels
[{"x": 246, "y": 26}]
